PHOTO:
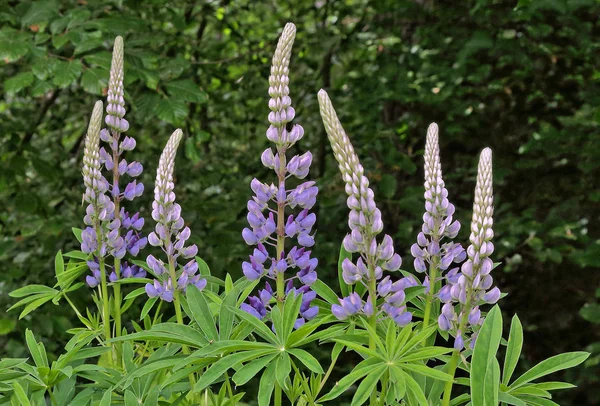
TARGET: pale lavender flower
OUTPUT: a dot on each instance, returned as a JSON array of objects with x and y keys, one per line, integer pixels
[
  {"x": 268, "y": 226},
  {"x": 437, "y": 220},
  {"x": 125, "y": 235},
  {"x": 365, "y": 224},
  {"x": 472, "y": 286},
  {"x": 170, "y": 232}
]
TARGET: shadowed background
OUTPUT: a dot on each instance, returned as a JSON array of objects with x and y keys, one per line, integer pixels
[{"x": 520, "y": 78}]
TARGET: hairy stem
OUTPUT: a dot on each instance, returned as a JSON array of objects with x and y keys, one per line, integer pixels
[
  {"x": 451, "y": 370},
  {"x": 105, "y": 303},
  {"x": 117, "y": 261},
  {"x": 280, "y": 248},
  {"x": 430, "y": 298},
  {"x": 456, "y": 354},
  {"x": 178, "y": 314}
]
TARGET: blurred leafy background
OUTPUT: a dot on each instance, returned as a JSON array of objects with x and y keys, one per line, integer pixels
[{"x": 521, "y": 77}]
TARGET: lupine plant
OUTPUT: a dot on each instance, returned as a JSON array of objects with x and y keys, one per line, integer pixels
[{"x": 214, "y": 338}]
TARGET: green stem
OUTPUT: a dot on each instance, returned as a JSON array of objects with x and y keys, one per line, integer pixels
[
  {"x": 372, "y": 288},
  {"x": 451, "y": 370},
  {"x": 178, "y": 314},
  {"x": 432, "y": 291},
  {"x": 280, "y": 247},
  {"x": 52, "y": 397},
  {"x": 117, "y": 262},
  {"x": 74, "y": 307},
  {"x": 329, "y": 370},
  {"x": 456, "y": 354},
  {"x": 232, "y": 402},
  {"x": 105, "y": 303}
]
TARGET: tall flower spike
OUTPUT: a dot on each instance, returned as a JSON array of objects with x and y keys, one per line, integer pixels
[
  {"x": 365, "y": 224},
  {"x": 170, "y": 233},
  {"x": 271, "y": 230},
  {"x": 124, "y": 229},
  {"x": 472, "y": 286},
  {"x": 429, "y": 251},
  {"x": 100, "y": 208},
  {"x": 116, "y": 103}
]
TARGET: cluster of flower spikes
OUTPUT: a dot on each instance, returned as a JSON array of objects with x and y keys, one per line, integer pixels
[
  {"x": 122, "y": 233},
  {"x": 437, "y": 220},
  {"x": 365, "y": 224},
  {"x": 466, "y": 290},
  {"x": 170, "y": 233},
  {"x": 270, "y": 230}
]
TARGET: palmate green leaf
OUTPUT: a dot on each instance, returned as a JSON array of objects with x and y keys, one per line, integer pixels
[
  {"x": 532, "y": 391},
  {"x": 31, "y": 290},
  {"x": 425, "y": 353},
  {"x": 187, "y": 90},
  {"x": 266, "y": 386},
  {"x": 484, "y": 353},
  {"x": 398, "y": 386},
  {"x": 38, "y": 354},
  {"x": 416, "y": 339},
  {"x": 513, "y": 350},
  {"x": 550, "y": 365},
  {"x": 510, "y": 399},
  {"x": 368, "y": 385},
  {"x": 201, "y": 314},
  {"x": 147, "y": 307},
  {"x": 34, "y": 302},
  {"x": 539, "y": 401},
  {"x": 260, "y": 327},
  {"x": 361, "y": 370},
  {"x": 283, "y": 367},
  {"x": 291, "y": 308},
  {"x": 325, "y": 291},
  {"x": 427, "y": 371},
  {"x": 415, "y": 390},
  {"x": 168, "y": 332},
  {"x": 217, "y": 369},
  {"x": 301, "y": 334},
  {"x": 249, "y": 371},
  {"x": 308, "y": 360},
  {"x": 360, "y": 349},
  {"x": 224, "y": 347},
  {"x": 18, "y": 82},
  {"x": 226, "y": 316},
  {"x": 553, "y": 385},
  {"x": 20, "y": 394}
]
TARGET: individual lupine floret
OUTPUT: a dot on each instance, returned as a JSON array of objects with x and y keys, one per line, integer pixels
[
  {"x": 269, "y": 226},
  {"x": 170, "y": 233},
  {"x": 365, "y": 224},
  {"x": 472, "y": 286},
  {"x": 437, "y": 220}
]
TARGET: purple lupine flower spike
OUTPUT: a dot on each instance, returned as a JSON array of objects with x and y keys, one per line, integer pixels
[
  {"x": 365, "y": 224},
  {"x": 431, "y": 254},
  {"x": 100, "y": 209},
  {"x": 471, "y": 287},
  {"x": 170, "y": 233},
  {"x": 124, "y": 234},
  {"x": 115, "y": 109},
  {"x": 266, "y": 210},
  {"x": 437, "y": 220}
]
